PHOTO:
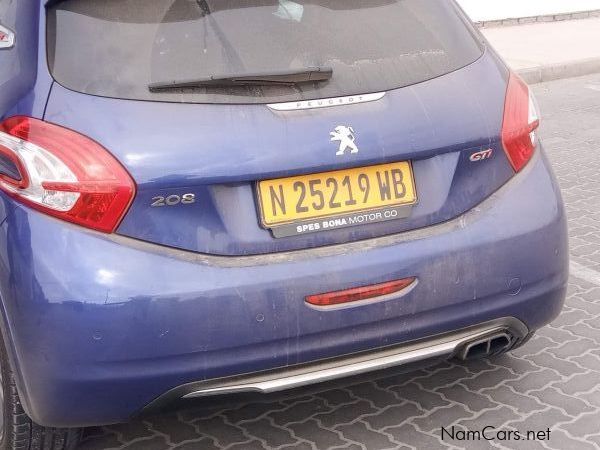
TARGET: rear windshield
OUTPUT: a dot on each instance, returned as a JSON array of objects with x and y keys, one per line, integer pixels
[{"x": 116, "y": 48}]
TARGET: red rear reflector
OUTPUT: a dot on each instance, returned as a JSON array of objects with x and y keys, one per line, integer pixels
[
  {"x": 359, "y": 293},
  {"x": 520, "y": 122}
]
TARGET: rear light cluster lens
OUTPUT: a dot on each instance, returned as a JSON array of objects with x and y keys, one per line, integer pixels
[
  {"x": 63, "y": 173},
  {"x": 521, "y": 119},
  {"x": 360, "y": 293}
]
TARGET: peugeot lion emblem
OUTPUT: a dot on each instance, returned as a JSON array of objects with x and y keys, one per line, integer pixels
[
  {"x": 345, "y": 135},
  {"x": 7, "y": 38}
]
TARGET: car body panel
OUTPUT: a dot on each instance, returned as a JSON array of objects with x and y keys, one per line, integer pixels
[
  {"x": 18, "y": 63},
  {"x": 24, "y": 78},
  {"x": 112, "y": 322},
  {"x": 217, "y": 152}
]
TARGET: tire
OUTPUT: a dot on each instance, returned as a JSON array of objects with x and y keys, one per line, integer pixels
[{"x": 17, "y": 430}]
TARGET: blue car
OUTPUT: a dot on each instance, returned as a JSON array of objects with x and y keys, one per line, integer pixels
[{"x": 204, "y": 200}]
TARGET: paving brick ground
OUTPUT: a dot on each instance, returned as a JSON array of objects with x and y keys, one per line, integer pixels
[{"x": 553, "y": 382}]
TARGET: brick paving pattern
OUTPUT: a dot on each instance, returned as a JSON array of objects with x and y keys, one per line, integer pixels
[{"x": 552, "y": 382}]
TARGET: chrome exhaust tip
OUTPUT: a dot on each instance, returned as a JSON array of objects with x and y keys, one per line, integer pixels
[{"x": 491, "y": 345}]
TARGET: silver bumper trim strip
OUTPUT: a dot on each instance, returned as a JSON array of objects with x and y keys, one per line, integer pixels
[{"x": 295, "y": 378}]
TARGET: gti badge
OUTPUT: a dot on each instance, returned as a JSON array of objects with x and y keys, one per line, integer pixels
[
  {"x": 346, "y": 137},
  {"x": 480, "y": 156},
  {"x": 7, "y": 38}
]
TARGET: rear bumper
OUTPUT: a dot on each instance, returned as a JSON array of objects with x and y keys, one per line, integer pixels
[
  {"x": 351, "y": 368},
  {"x": 100, "y": 326}
]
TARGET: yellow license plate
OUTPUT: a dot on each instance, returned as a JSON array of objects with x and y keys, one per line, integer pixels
[{"x": 289, "y": 200}]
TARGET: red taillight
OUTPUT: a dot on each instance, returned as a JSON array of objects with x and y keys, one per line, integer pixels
[
  {"x": 360, "y": 293},
  {"x": 520, "y": 122},
  {"x": 64, "y": 174}
]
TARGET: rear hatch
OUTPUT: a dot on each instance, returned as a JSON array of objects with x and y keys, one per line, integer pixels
[{"x": 405, "y": 133}]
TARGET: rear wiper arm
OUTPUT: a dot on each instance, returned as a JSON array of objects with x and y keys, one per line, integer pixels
[{"x": 280, "y": 78}]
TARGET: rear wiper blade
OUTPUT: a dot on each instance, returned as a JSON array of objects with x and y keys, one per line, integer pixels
[{"x": 280, "y": 78}]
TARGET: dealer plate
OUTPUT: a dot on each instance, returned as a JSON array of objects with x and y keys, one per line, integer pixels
[{"x": 357, "y": 196}]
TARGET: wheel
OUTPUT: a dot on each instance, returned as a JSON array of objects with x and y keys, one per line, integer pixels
[{"x": 17, "y": 430}]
